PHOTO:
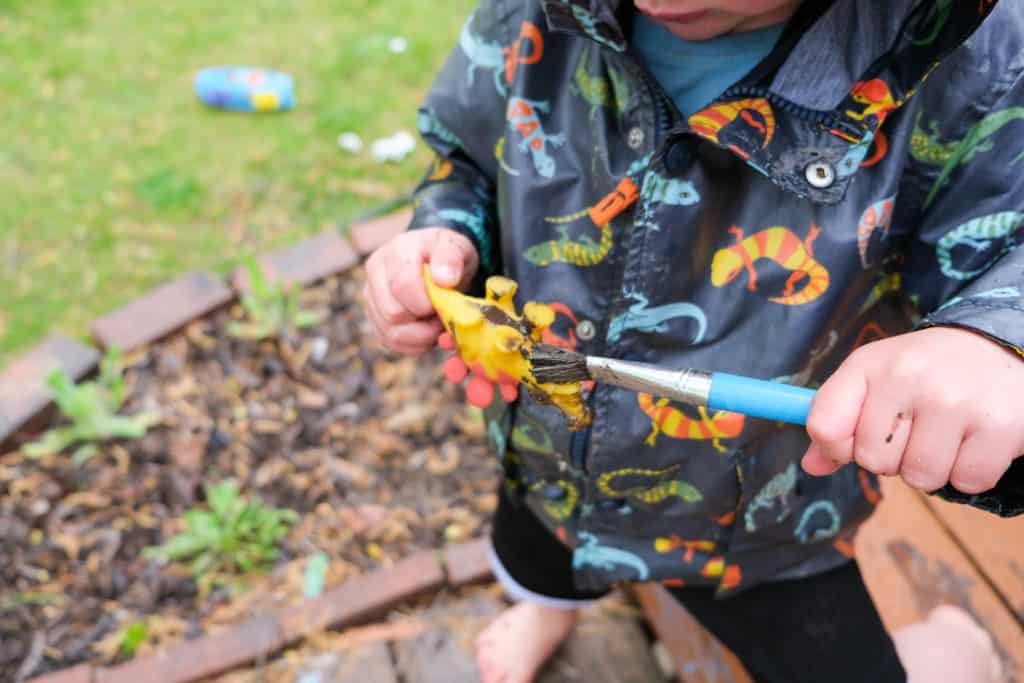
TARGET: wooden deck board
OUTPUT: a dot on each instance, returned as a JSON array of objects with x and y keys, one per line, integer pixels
[
  {"x": 696, "y": 654},
  {"x": 994, "y": 543},
  {"x": 911, "y": 564}
]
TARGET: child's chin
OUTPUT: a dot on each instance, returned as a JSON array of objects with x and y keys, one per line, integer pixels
[{"x": 700, "y": 30}]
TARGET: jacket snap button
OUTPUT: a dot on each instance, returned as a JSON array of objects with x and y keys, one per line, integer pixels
[
  {"x": 820, "y": 174},
  {"x": 635, "y": 139},
  {"x": 586, "y": 330}
]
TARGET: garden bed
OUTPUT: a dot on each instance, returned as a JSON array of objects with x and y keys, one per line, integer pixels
[{"x": 376, "y": 453}]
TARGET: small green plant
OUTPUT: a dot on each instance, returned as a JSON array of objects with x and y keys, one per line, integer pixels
[
  {"x": 235, "y": 535},
  {"x": 273, "y": 308},
  {"x": 92, "y": 409},
  {"x": 134, "y": 634}
]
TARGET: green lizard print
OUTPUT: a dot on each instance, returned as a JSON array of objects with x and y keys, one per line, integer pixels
[
  {"x": 955, "y": 154},
  {"x": 925, "y": 147},
  {"x": 661, "y": 491},
  {"x": 562, "y": 508},
  {"x": 529, "y": 435},
  {"x": 942, "y": 10},
  {"x": 778, "y": 489},
  {"x": 599, "y": 91},
  {"x": 978, "y": 234},
  {"x": 582, "y": 252}
]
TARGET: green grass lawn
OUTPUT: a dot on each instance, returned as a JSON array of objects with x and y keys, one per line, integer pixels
[{"x": 116, "y": 179}]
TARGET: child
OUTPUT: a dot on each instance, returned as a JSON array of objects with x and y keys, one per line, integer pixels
[{"x": 749, "y": 186}]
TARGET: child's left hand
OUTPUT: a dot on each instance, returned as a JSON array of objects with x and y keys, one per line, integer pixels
[{"x": 934, "y": 406}]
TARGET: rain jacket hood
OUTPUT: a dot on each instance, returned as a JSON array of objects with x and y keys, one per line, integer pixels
[{"x": 857, "y": 183}]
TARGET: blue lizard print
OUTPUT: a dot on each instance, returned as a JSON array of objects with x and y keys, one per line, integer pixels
[
  {"x": 854, "y": 156},
  {"x": 997, "y": 293},
  {"x": 477, "y": 225},
  {"x": 655, "y": 319},
  {"x": 803, "y": 533},
  {"x": 428, "y": 124},
  {"x": 482, "y": 55},
  {"x": 978, "y": 234},
  {"x": 658, "y": 189},
  {"x": 603, "y": 557},
  {"x": 523, "y": 115},
  {"x": 589, "y": 24}
]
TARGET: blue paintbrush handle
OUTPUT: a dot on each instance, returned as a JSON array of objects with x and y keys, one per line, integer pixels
[{"x": 759, "y": 398}]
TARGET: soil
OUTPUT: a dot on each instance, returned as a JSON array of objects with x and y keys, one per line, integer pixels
[{"x": 376, "y": 452}]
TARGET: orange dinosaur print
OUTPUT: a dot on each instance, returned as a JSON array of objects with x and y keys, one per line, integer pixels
[
  {"x": 755, "y": 112},
  {"x": 869, "y": 333},
  {"x": 530, "y": 40},
  {"x": 664, "y": 544},
  {"x": 725, "y": 520},
  {"x": 675, "y": 423},
  {"x": 872, "y": 494},
  {"x": 548, "y": 335},
  {"x": 731, "y": 575},
  {"x": 440, "y": 169},
  {"x": 881, "y": 147},
  {"x": 876, "y": 98},
  {"x": 782, "y": 246}
]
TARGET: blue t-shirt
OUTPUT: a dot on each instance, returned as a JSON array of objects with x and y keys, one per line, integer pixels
[{"x": 693, "y": 73}]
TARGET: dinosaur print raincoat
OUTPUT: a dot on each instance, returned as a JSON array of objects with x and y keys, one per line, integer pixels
[{"x": 864, "y": 179}]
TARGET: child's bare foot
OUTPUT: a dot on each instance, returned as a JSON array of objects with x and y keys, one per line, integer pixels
[
  {"x": 516, "y": 644},
  {"x": 950, "y": 647}
]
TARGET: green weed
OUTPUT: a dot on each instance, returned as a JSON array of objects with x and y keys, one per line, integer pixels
[{"x": 92, "y": 408}]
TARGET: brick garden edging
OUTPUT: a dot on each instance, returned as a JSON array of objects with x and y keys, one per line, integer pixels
[
  {"x": 354, "y": 602},
  {"x": 158, "y": 313},
  {"x": 169, "y": 307}
]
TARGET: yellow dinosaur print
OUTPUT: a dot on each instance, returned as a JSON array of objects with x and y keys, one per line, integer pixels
[
  {"x": 778, "y": 244},
  {"x": 675, "y": 423},
  {"x": 661, "y": 491},
  {"x": 730, "y": 574},
  {"x": 666, "y": 544}
]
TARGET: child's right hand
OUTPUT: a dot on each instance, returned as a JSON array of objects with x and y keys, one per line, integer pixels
[{"x": 396, "y": 298}]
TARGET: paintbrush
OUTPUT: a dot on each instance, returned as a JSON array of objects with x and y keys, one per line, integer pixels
[{"x": 715, "y": 390}]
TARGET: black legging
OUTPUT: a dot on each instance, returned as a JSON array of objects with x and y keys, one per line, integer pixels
[{"x": 821, "y": 629}]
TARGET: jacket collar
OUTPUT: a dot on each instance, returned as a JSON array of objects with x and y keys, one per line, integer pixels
[{"x": 832, "y": 85}]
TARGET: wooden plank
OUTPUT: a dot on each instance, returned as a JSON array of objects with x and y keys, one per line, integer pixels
[
  {"x": 698, "y": 656},
  {"x": 911, "y": 565},
  {"x": 444, "y": 652},
  {"x": 367, "y": 664},
  {"x": 994, "y": 543},
  {"x": 605, "y": 647}
]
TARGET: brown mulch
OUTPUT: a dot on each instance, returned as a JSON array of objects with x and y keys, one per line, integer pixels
[{"x": 376, "y": 452}]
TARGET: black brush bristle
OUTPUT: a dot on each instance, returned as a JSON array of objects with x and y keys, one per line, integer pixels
[{"x": 553, "y": 364}]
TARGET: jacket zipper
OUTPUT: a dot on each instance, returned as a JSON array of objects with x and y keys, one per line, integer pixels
[{"x": 828, "y": 119}]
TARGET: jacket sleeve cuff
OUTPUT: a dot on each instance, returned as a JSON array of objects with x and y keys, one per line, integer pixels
[
  {"x": 1002, "y": 323},
  {"x": 1005, "y": 500},
  {"x": 469, "y": 212}
]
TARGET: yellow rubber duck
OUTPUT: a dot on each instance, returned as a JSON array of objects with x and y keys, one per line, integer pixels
[{"x": 493, "y": 343}]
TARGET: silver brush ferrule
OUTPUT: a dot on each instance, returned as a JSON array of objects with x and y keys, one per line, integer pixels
[{"x": 686, "y": 385}]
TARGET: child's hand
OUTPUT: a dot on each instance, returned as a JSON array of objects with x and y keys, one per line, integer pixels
[
  {"x": 396, "y": 299},
  {"x": 935, "y": 406}
]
